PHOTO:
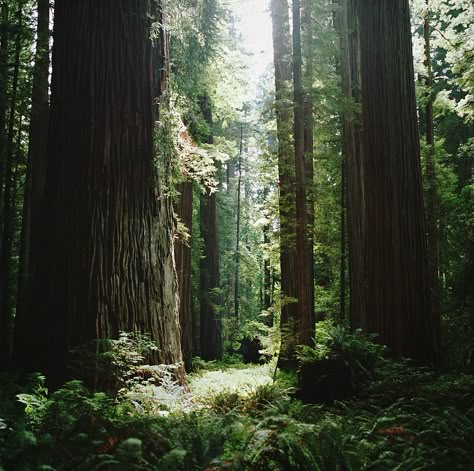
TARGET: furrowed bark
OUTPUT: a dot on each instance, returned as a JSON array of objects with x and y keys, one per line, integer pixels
[
  {"x": 399, "y": 305},
  {"x": 107, "y": 259}
]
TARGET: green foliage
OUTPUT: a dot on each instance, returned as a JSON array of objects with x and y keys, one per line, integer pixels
[
  {"x": 357, "y": 348},
  {"x": 408, "y": 418}
]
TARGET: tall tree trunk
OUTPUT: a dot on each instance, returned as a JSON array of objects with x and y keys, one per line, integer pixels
[
  {"x": 37, "y": 158},
  {"x": 237, "y": 236},
  {"x": 431, "y": 196},
  {"x": 210, "y": 327},
  {"x": 184, "y": 210},
  {"x": 286, "y": 171},
  {"x": 106, "y": 264},
  {"x": 305, "y": 311},
  {"x": 230, "y": 243},
  {"x": 398, "y": 282},
  {"x": 308, "y": 124},
  {"x": 8, "y": 207},
  {"x": 267, "y": 269},
  {"x": 350, "y": 70},
  {"x": 4, "y": 36},
  {"x": 342, "y": 271}
]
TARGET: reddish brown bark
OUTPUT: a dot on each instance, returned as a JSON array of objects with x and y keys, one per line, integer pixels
[
  {"x": 350, "y": 71},
  {"x": 431, "y": 195},
  {"x": 211, "y": 322},
  {"x": 305, "y": 305},
  {"x": 398, "y": 283},
  {"x": 308, "y": 122},
  {"x": 182, "y": 250},
  {"x": 286, "y": 171},
  {"x": 106, "y": 263}
]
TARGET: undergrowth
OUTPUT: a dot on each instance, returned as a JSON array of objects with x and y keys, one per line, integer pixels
[{"x": 238, "y": 418}]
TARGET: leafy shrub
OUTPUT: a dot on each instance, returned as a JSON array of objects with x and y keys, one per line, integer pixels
[{"x": 357, "y": 348}]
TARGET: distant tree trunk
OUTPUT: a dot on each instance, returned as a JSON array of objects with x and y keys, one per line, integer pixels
[
  {"x": 210, "y": 327},
  {"x": 398, "y": 282},
  {"x": 340, "y": 21},
  {"x": 37, "y": 158},
  {"x": 9, "y": 207},
  {"x": 354, "y": 172},
  {"x": 3, "y": 98},
  {"x": 184, "y": 210},
  {"x": 237, "y": 237},
  {"x": 308, "y": 123},
  {"x": 106, "y": 263},
  {"x": 286, "y": 171},
  {"x": 230, "y": 243},
  {"x": 267, "y": 269},
  {"x": 305, "y": 313},
  {"x": 342, "y": 271},
  {"x": 431, "y": 196}
]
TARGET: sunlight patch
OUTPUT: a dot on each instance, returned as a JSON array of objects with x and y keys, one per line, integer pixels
[{"x": 243, "y": 382}]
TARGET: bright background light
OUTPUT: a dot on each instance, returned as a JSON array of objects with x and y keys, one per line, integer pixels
[{"x": 255, "y": 25}]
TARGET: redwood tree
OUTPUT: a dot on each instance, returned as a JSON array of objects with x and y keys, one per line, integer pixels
[
  {"x": 37, "y": 157},
  {"x": 106, "y": 262},
  {"x": 431, "y": 195},
  {"x": 184, "y": 210},
  {"x": 307, "y": 45},
  {"x": 304, "y": 272},
  {"x": 7, "y": 204},
  {"x": 210, "y": 321},
  {"x": 353, "y": 172},
  {"x": 397, "y": 275},
  {"x": 286, "y": 171}
]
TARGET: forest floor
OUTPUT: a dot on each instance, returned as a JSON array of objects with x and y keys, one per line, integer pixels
[{"x": 237, "y": 417}]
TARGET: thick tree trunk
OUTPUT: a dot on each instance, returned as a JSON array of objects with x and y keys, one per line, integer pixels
[
  {"x": 286, "y": 171},
  {"x": 398, "y": 282},
  {"x": 6, "y": 279},
  {"x": 305, "y": 308},
  {"x": 37, "y": 159},
  {"x": 107, "y": 259},
  {"x": 210, "y": 326}
]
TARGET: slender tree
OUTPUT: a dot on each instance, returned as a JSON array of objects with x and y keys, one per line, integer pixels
[
  {"x": 184, "y": 210},
  {"x": 431, "y": 195},
  {"x": 305, "y": 305},
  {"x": 37, "y": 157},
  {"x": 106, "y": 263},
  {"x": 308, "y": 123},
  {"x": 210, "y": 326},
  {"x": 4, "y": 37},
  {"x": 355, "y": 206},
  {"x": 6, "y": 278},
  {"x": 286, "y": 171},
  {"x": 237, "y": 236},
  {"x": 267, "y": 269}
]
